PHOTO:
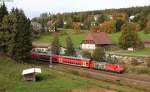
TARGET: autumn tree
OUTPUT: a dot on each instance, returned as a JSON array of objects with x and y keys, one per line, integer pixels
[
  {"x": 108, "y": 26},
  {"x": 129, "y": 38},
  {"x": 147, "y": 29},
  {"x": 77, "y": 26}
]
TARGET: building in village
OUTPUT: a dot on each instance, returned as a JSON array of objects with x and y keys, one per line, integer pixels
[
  {"x": 147, "y": 43},
  {"x": 96, "y": 39},
  {"x": 44, "y": 48},
  {"x": 36, "y": 26}
]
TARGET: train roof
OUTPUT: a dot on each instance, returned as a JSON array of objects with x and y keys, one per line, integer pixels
[{"x": 76, "y": 57}]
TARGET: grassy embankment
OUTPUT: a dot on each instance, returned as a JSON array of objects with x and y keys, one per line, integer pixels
[{"x": 51, "y": 80}]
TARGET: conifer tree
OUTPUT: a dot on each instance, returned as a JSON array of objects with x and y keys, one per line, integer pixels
[
  {"x": 129, "y": 38},
  {"x": 3, "y": 11},
  {"x": 55, "y": 45},
  {"x": 22, "y": 44},
  {"x": 70, "y": 48},
  {"x": 3, "y": 34}
]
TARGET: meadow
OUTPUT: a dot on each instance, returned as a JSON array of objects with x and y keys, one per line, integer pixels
[
  {"x": 50, "y": 80},
  {"x": 78, "y": 37}
]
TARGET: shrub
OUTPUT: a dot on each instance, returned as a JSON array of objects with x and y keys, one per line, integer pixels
[
  {"x": 147, "y": 30},
  {"x": 99, "y": 54},
  {"x": 62, "y": 33},
  {"x": 86, "y": 54},
  {"x": 134, "y": 62}
]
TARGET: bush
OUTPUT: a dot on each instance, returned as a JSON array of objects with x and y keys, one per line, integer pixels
[
  {"x": 62, "y": 33},
  {"x": 147, "y": 30},
  {"x": 86, "y": 54},
  {"x": 99, "y": 54},
  {"x": 135, "y": 62}
]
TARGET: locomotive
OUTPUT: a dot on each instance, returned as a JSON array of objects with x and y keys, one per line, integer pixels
[{"x": 81, "y": 62}]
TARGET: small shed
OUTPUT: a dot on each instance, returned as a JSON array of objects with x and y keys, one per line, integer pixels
[
  {"x": 30, "y": 74},
  {"x": 147, "y": 43}
]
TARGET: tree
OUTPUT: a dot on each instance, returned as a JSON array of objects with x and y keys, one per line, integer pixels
[
  {"x": 99, "y": 54},
  {"x": 102, "y": 18},
  {"x": 77, "y": 27},
  {"x": 147, "y": 30},
  {"x": 3, "y": 34},
  {"x": 22, "y": 44},
  {"x": 3, "y": 12},
  {"x": 55, "y": 45},
  {"x": 118, "y": 25},
  {"x": 86, "y": 54},
  {"x": 108, "y": 26},
  {"x": 70, "y": 48},
  {"x": 129, "y": 38}
]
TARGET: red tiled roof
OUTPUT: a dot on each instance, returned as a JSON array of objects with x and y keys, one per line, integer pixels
[{"x": 99, "y": 38}]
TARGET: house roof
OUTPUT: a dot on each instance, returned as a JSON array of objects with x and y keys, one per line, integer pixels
[
  {"x": 147, "y": 41},
  {"x": 31, "y": 70},
  {"x": 41, "y": 45},
  {"x": 99, "y": 38}
]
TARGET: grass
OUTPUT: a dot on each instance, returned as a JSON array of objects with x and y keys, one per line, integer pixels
[
  {"x": 52, "y": 80},
  {"x": 137, "y": 52},
  {"x": 76, "y": 38},
  {"x": 145, "y": 51}
]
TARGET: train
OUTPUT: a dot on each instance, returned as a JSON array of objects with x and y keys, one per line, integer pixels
[{"x": 76, "y": 61}]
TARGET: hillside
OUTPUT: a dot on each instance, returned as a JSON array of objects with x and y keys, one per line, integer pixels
[
  {"x": 77, "y": 38},
  {"x": 50, "y": 80}
]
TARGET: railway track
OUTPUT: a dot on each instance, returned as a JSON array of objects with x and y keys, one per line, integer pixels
[
  {"x": 133, "y": 81},
  {"x": 133, "y": 77}
]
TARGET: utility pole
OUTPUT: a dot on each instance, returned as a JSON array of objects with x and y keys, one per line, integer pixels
[{"x": 50, "y": 59}]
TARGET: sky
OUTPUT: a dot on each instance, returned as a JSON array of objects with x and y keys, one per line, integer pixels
[{"x": 33, "y": 8}]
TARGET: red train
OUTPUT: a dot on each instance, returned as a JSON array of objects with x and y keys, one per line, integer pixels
[{"x": 82, "y": 62}]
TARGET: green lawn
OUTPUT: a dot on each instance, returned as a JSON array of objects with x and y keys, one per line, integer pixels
[
  {"x": 144, "y": 52},
  {"x": 76, "y": 38},
  {"x": 140, "y": 52},
  {"x": 51, "y": 80}
]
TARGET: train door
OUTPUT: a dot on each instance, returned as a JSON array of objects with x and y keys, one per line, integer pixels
[
  {"x": 84, "y": 63},
  {"x": 60, "y": 60}
]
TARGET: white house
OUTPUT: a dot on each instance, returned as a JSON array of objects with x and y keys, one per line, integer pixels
[{"x": 95, "y": 39}]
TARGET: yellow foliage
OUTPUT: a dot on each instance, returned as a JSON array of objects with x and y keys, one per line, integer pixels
[{"x": 107, "y": 26}]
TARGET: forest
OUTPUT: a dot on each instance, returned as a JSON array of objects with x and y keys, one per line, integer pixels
[{"x": 109, "y": 20}]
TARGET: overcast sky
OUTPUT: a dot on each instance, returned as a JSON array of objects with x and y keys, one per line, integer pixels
[{"x": 33, "y": 8}]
